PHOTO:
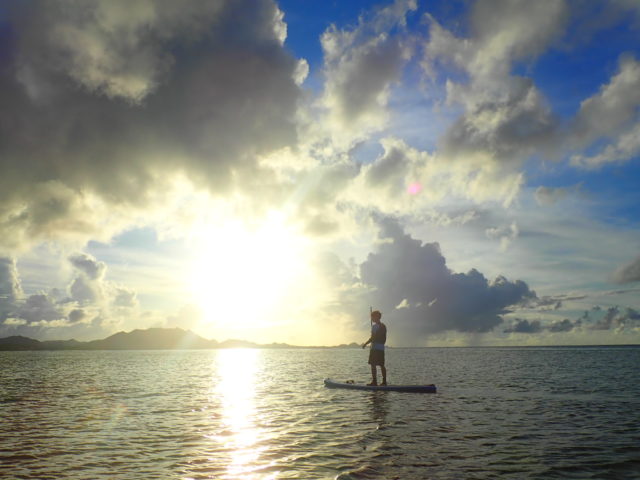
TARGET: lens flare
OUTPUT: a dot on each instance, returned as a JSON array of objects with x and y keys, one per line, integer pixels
[{"x": 414, "y": 188}]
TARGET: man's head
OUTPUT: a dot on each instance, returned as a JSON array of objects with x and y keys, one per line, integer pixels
[{"x": 376, "y": 316}]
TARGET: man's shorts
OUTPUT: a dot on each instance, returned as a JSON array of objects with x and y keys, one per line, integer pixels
[{"x": 376, "y": 357}]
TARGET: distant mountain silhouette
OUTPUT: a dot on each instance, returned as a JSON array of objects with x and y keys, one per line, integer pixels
[
  {"x": 237, "y": 344},
  {"x": 152, "y": 339},
  {"x": 19, "y": 343},
  {"x": 149, "y": 339}
]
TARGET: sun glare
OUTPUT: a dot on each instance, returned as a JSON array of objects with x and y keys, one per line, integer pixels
[
  {"x": 238, "y": 369},
  {"x": 243, "y": 274}
]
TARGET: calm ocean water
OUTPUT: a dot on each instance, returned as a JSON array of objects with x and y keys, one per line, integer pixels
[{"x": 499, "y": 413}]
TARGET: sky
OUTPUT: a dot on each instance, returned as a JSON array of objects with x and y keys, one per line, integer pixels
[{"x": 270, "y": 170}]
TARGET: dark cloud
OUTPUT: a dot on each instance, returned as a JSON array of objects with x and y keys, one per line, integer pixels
[
  {"x": 565, "y": 325},
  {"x": 39, "y": 307},
  {"x": 615, "y": 318},
  {"x": 628, "y": 273},
  {"x": 524, "y": 326},
  {"x": 411, "y": 283},
  {"x": 76, "y": 315},
  {"x": 536, "y": 326},
  {"x": 104, "y": 102},
  {"x": 610, "y": 320},
  {"x": 632, "y": 314}
]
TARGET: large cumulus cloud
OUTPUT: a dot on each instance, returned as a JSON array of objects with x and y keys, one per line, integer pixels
[
  {"x": 104, "y": 103},
  {"x": 419, "y": 295}
]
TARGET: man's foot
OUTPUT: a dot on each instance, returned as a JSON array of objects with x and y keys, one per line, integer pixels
[
  {"x": 372, "y": 384},
  {"x": 384, "y": 383}
]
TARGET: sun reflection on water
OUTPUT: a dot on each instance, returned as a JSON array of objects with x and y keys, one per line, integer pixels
[{"x": 238, "y": 371}]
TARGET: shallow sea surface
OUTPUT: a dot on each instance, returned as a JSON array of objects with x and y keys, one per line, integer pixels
[{"x": 241, "y": 414}]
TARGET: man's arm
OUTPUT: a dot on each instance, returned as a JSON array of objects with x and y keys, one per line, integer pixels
[{"x": 367, "y": 342}]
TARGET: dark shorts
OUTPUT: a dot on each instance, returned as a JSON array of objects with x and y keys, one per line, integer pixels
[{"x": 376, "y": 357}]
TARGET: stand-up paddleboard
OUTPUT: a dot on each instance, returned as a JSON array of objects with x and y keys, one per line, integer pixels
[{"x": 384, "y": 388}]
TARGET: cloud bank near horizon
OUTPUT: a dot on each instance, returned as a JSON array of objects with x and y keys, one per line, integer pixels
[
  {"x": 90, "y": 304},
  {"x": 410, "y": 280}
]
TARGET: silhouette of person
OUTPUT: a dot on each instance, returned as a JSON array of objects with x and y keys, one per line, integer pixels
[{"x": 376, "y": 353}]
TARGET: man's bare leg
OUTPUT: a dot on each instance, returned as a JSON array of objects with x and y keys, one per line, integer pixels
[{"x": 374, "y": 376}]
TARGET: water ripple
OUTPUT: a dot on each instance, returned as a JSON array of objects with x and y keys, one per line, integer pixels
[{"x": 264, "y": 414}]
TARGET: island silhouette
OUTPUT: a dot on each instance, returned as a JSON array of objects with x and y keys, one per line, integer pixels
[{"x": 149, "y": 339}]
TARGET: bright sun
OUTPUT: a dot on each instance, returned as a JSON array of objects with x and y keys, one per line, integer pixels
[{"x": 243, "y": 274}]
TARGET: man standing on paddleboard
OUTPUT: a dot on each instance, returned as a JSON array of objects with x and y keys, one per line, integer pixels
[{"x": 376, "y": 353}]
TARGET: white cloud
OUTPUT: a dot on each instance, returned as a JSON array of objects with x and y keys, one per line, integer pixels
[
  {"x": 505, "y": 117},
  {"x": 521, "y": 30},
  {"x": 125, "y": 297},
  {"x": 15, "y": 321},
  {"x": 10, "y": 288},
  {"x": 360, "y": 66},
  {"x": 102, "y": 124},
  {"x": 93, "y": 306},
  {"x": 505, "y": 234},
  {"x": 608, "y": 112},
  {"x": 624, "y": 148}
]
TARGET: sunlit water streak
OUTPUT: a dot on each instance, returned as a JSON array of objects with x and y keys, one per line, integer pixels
[{"x": 258, "y": 414}]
